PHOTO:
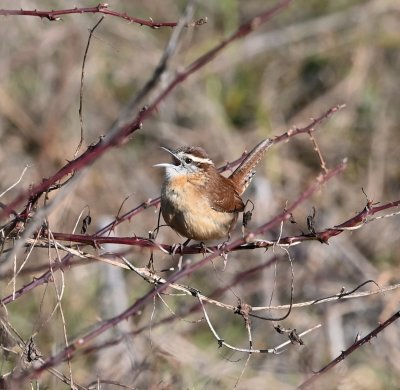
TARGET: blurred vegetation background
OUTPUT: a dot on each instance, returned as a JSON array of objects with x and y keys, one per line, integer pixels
[{"x": 312, "y": 56}]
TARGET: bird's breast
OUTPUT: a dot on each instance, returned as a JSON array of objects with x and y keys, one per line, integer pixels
[{"x": 186, "y": 208}]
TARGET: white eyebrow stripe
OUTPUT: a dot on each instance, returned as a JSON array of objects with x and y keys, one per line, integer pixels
[{"x": 197, "y": 159}]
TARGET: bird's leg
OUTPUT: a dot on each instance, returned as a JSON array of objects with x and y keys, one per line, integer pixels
[
  {"x": 175, "y": 248},
  {"x": 221, "y": 247},
  {"x": 223, "y": 244},
  {"x": 203, "y": 248}
]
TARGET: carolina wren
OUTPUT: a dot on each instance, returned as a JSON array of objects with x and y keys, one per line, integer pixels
[{"x": 196, "y": 200}]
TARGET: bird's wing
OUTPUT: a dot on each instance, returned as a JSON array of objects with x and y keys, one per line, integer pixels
[{"x": 225, "y": 198}]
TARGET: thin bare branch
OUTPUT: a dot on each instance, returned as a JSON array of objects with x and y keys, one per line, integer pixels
[
  {"x": 222, "y": 342},
  {"x": 318, "y": 151},
  {"x": 350, "y": 350},
  {"x": 120, "y": 136},
  {"x": 91, "y": 31},
  {"x": 17, "y": 182},
  {"x": 336, "y": 297},
  {"x": 101, "y": 8}
]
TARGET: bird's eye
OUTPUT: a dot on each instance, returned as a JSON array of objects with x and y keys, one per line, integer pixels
[{"x": 188, "y": 160}]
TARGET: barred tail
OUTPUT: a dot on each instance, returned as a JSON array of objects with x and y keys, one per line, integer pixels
[{"x": 245, "y": 171}]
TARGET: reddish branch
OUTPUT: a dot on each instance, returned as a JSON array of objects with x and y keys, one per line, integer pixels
[
  {"x": 280, "y": 138},
  {"x": 117, "y": 138},
  {"x": 98, "y": 239},
  {"x": 187, "y": 311},
  {"x": 42, "y": 279},
  {"x": 350, "y": 350},
  {"x": 101, "y": 8},
  {"x": 323, "y": 236},
  {"x": 239, "y": 243},
  {"x": 311, "y": 127},
  {"x": 71, "y": 349},
  {"x": 96, "y": 150}
]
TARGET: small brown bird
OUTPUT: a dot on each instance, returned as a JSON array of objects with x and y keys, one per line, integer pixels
[{"x": 196, "y": 200}]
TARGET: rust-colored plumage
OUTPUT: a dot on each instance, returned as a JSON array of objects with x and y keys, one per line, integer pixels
[{"x": 196, "y": 200}]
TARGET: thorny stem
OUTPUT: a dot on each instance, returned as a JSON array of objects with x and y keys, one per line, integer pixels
[
  {"x": 101, "y": 8},
  {"x": 120, "y": 136},
  {"x": 281, "y": 138},
  {"x": 350, "y": 350},
  {"x": 185, "y": 271}
]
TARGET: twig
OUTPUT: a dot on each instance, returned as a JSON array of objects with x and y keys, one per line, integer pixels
[
  {"x": 96, "y": 385},
  {"x": 344, "y": 293},
  {"x": 323, "y": 236},
  {"x": 354, "y": 223},
  {"x": 59, "y": 295},
  {"x": 140, "y": 303},
  {"x": 17, "y": 182},
  {"x": 154, "y": 202},
  {"x": 79, "y": 217},
  {"x": 161, "y": 67},
  {"x": 349, "y": 350},
  {"x": 242, "y": 372},
  {"x": 222, "y": 342},
  {"x": 30, "y": 352},
  {"x": 311, "y": 127},
  {"x": 119, "y": 137},
  {"x": 110, "y": 343},
  {"x": 281, "y": 138},
  {"x": 39, "y": 216},
  {"x": 91, "y": 31},
  {"x": 337, "y": 297},
  {"x": 217, "y": 251},
  {"x": 102, "y": 9},
  {"x": 290, "y": 306},
  {"x": 318, "y": 151}
]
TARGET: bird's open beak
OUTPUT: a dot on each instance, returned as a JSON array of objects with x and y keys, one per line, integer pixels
[{"x": 167, "y": 164}]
